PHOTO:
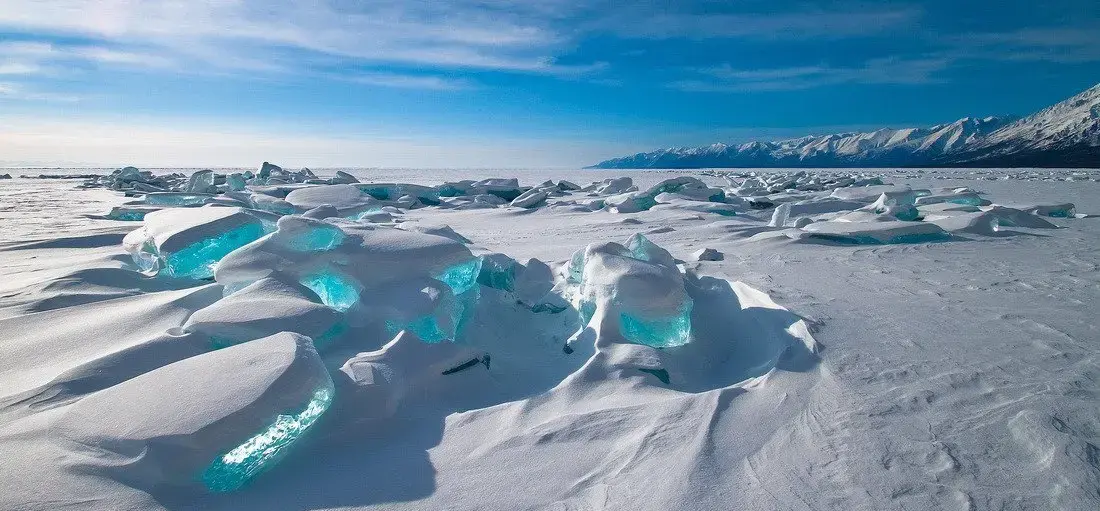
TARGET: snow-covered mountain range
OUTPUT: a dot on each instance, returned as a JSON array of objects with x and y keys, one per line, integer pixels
[{"x": 1064, "y": 135}]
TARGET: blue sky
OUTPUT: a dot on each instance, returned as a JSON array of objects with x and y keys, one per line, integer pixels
[{"x": 508, "y": 83}]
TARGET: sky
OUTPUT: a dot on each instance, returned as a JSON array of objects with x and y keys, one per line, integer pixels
[{"x": 508, "y": 83}]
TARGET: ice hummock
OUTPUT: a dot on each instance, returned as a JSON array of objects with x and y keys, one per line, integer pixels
[
  {"x": 189, "y": 243},
  {"x": 376, "y": 275},
  {"x": 877, "y": 233},
  {"x": 635, "y": 291}
]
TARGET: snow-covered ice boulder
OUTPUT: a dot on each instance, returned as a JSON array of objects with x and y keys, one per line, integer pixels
[
  {"x": 869, "y": 194},
  {"x": 271, "y": 204},
  {"x": 530, "y": 199},
  {"x": 235, "y": 182},
  {"x": 634, "y": 294},
  {"x": 375, "y": 273},
  {"x": 898, "y": 205},
  {"x": 507, "y": 189},
  {"x": 201, "y": 182},
  {"x": 347, "y": 199},
  {"x": 990, "y": 221},
  {"x": 190, "y": 242},
  {"x": 877, "y": 233},
  {"x": 630, "y": 202},
  {"x": 687, "y": 187},
  {"x": 218, "y": 419},
  {"x": 263, "y": 308},
  {"x": 615, "y": 186},
  {"x": 1066, "y": 210},
  {"x": 567, "y": 186},
  {"x": 342, "y": 178}
]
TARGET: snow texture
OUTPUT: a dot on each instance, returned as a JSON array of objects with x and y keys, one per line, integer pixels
[{"x": 279, "y": 339}]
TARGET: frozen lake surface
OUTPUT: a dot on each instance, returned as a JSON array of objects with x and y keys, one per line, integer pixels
[{"x": 959, "y": 371}]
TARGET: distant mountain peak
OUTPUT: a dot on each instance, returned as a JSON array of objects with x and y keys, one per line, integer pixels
[{"x": 1066, "y": 134}]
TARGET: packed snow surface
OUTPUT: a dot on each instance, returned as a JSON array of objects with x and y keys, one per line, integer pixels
[{"x": 276, "y": 339}]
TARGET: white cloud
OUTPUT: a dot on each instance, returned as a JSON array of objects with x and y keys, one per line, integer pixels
[
  {"x": 404, "y": 81},
  {"x": 19, "y": 68},
  {"x": 510, "y": 35},
  {"x": 1064, "y": 45},
  {"x": 19, "y": 92},
  {"x": 38, "y": 57},
  {"x": 465, "y": 33},
  {"x": 804, "y": 24},
  {"x": 875, "y": 71}
]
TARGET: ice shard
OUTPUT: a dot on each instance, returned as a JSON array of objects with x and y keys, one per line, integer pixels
[
  {"x": 335, "y": 290},
  {"x": 237, "y": 467},
  {"x": 190, "y": 243}
]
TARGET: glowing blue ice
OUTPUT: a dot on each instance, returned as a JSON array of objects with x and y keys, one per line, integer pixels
[
  {"x": 576, "y": 266},
  {"x": 445, "y": 323},
  {"x": 197, "y": 260},
  {"x": 449, "y": 190},
  {"x": 644, "y": 202},
  {"x": 175, "y": 199},
  {"x": 641, "y": 248},
  {"x": 498, "y": 273},
  {"x": 1060, "y": 213},
  {"x": 335, "y": 290},
  {"x": 587, "y": 310},
  {"x": 461, "y": 277},
  {"x": 378, "y": 192},
  {"x": 426, "y": 328},
  {"x": 900, "y": 239},
  {"x": 235, "y": 182},
  {"x": 318, "y": 239},
  {"x": 234, "y": 469},
  {"x": 659, "y": 332}
]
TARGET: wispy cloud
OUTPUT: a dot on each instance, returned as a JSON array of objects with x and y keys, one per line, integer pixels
[
  {"x": 504, "y": 35},
  {"x": 457, "y": 34},
  {"x": 725, "y": 78},
  {"x": 804, "y": 24},
  {"x": 19, "y": 92},
  {"x": 1064, "y": 45},
  {"x": 35, "y": 56},
  {"x": 406, "y": 81},
  {"x": 19, "y": 68}
]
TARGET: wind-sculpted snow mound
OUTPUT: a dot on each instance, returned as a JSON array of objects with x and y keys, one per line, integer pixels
[
  {"x": 262, "y": 308},
  {"x": 218, "y": 419}
]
